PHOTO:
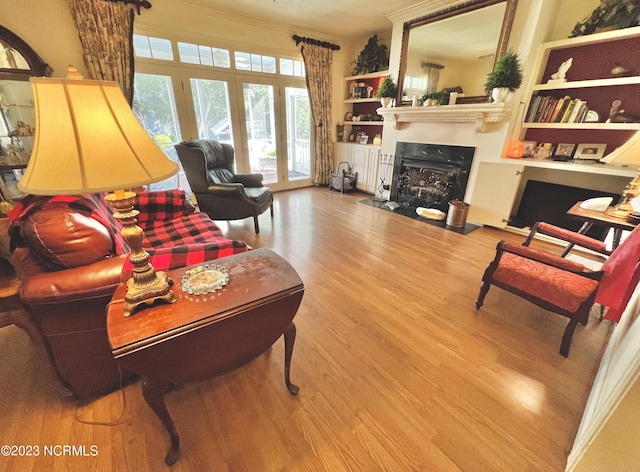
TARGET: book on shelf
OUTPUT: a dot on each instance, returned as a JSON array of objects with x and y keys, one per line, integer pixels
[
  {"x": 533, "y": 108},
  {"x": 575, "y": 112},
  {"x": 547, "y": 109},
  {"x": 582, "y": 113},
  {"x": 550, "y": 109},
  {"x": 568, "y": 111},
  {"x": 558, "y": 112}
]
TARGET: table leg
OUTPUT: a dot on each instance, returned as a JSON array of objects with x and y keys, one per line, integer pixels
[
  {"x": 289, "y": 341},
  {"x": 617, "y": 236},
  {"x": 153, "y": 393}
]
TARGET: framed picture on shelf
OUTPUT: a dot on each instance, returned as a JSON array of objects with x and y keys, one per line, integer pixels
[
  {"x": 543, "y": 151},
  {"x": 364, "y": 139},
  {"x": 529, "y": 148},
  {"x": 564, "y": 150},
  {"x": 592, "y": 151},
  {"x": 352, "y": 137}
]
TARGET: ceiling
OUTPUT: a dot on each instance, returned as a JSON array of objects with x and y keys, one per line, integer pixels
[{"x": 339, "y": 18}]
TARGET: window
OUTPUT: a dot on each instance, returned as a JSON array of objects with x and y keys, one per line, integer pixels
[
  {"x": 292, "y": 67},
  {"x": 155, "y": 107},
  {"x": 204, "y": 55},
  {"x": 255, "y": 62},
  {"x": 153, "y": 48},
  {"x": 257, "y": 103},
  {"x": 211, "y": 103}
]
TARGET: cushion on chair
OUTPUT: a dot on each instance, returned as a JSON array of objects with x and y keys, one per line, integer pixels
[
  {"x": 559, "y": 287},
  {"x": 213, "y": 151},
  {"x": 64, "y": 238},
  {"x": 67, "y": 231},
  {"x": 259, "y": 194},
  {"x": 219, "y": 176}
]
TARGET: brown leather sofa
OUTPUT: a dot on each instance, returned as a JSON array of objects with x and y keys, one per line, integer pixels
[
  {"x": 220, "y": 191},
  {"x": 73, "y": 259}
]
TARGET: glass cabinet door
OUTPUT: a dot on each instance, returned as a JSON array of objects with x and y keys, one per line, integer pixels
[{"x": 18, "y": 62}]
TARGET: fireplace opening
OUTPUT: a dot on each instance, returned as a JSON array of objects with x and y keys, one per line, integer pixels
[
  {"x": 544, "y": 201},
  {"x": 430, "y": 175}
]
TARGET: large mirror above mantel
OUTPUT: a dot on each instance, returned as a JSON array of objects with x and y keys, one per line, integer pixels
[{"x": 454, "y": 48}]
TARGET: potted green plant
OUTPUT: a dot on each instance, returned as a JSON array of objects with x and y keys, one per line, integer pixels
[
  {"x": 610, "y": 14},
  {"x": 505, "y": 77},
  {"x": 434, "y": 97},
  {"x": 387, "y": 91},
  {"x": 372, "y": 58},
  {"x": 441, "y": 97}
]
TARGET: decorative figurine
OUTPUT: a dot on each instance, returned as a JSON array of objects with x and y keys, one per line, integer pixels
[
  {"x": 619, "y": 115},
  {"x": 620, "y": 70},
  {"x": 561, "y": 75}
]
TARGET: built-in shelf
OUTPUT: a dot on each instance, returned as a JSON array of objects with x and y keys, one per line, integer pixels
[
  {"x": 588, "y": 167},
  {"x": 588, "y": 83},
  {"x": 606, "y": 126},
  {"x": 479, "y": 113},
  {"x": 362, "y": 100},
  {"x": 365, "y": 123}
]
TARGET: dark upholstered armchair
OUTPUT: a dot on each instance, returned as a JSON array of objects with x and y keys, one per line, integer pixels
[{"x": 221, "y": 193}]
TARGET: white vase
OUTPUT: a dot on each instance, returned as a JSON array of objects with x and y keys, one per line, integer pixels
[
  {"x": 500, "y": 94},
  {"x": 386, "y": 102}
]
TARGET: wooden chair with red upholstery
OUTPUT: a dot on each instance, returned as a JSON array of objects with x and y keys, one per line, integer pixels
[{"x": 560, "y": 285}]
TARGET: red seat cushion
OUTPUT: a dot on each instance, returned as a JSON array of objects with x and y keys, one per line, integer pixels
[{"x": 559, "y": 287}]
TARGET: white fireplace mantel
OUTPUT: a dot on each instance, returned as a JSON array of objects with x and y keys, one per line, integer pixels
[{"x": 479, "y": 113}]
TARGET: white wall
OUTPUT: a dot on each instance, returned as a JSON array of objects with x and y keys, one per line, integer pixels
[{"x": 47, "y": 26}]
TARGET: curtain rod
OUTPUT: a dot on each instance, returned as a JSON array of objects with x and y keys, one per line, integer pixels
[
  {"x": 138, "y": 3},
  {"x": 324, "y": 44}
]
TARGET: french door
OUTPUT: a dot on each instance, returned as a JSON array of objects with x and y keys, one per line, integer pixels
[
  {"x": 276, "y": 132},
  {"x": 266, "y": 120}
]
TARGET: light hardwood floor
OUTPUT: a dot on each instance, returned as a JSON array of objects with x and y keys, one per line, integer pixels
[{"x": 397, "y": 369}]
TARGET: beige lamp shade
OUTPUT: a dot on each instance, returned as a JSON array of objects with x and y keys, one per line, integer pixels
[
  {"x": 627, "y": 155},
  {"x": 88, "y": 140}
]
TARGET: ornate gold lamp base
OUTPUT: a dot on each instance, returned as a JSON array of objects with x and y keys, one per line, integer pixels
[
  {"x": 624, "y": 208},
  {"x": 145, "y": 285}
]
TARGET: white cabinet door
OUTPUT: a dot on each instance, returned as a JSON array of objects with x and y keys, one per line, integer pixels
[
  {"x": 360, "y": 164},
  {"x": 494, "y": 192},
  {"x": 343, "y": 153},
  {"x": 365, "y": 161},
  {"x": 372, "y": 171}
]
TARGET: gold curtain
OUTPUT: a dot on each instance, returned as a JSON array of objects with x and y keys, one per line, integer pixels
[
  {"x": 106, "y": 35},
  {"x": 433, "y": 74},
  {"x": 318, "y": 61}
]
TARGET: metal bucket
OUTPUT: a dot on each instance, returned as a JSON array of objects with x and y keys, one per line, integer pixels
[{"x": 457, "y": 214}]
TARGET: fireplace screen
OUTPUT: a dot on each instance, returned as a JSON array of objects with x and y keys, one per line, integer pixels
[
  {"x": 430, "y": 175},
  {"x": 428, "y": 185}
]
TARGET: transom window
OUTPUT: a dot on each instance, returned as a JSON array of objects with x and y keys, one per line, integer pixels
[
  {"x": 158, "y": 48},
  {"x": 153, "y": 48}
]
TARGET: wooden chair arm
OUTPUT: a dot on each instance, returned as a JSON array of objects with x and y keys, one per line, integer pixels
[{"x": 569, "y": 236}]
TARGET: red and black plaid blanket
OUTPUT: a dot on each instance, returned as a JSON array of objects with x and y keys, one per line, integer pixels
[{"x": 174, "y": 234}]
